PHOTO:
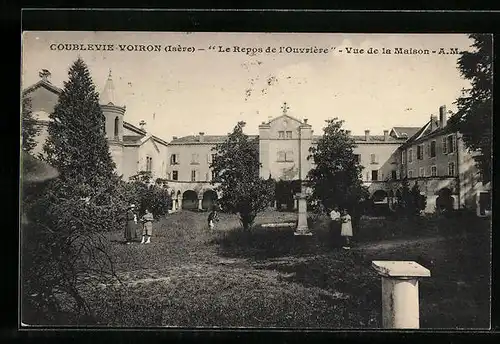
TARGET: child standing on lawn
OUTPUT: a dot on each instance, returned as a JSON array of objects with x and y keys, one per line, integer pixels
[
  {"x": 147, "y": 229},
  {"x": 346, "y": 229},
  {"x": 212, "y": 218}
]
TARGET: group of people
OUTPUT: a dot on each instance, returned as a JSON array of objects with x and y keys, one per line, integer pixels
[
  {"x": 131, "y": 226},
  {"x": 341, "y": 221}
]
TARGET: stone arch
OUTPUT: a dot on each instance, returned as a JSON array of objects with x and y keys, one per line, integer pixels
[
  {"x": 379, "y": 196},
  {"x": 209, "y": 198},
  {"x": 444, "y": 201},
  {"x": 190, "y": 200}
]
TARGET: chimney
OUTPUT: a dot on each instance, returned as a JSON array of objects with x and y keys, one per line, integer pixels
[
  {"x": 142, "y": 124},
  {"x": 202, "y": 136},
  {"x": 348, "y": 132},
  {"x": 442, "y": 116},
  {"x": 174, "y": 137},
  {"x": 367, "y": 135},
  {"x": 305, "y": 120},
  {"x": 386, "y": 135}
]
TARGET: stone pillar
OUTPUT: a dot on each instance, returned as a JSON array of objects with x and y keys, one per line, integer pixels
[
  {"x": 173, "y": 205},
  {"x": 295, "y": 204},
  {"x": 200, "y": 203},
  {"x": 179, "y": 203},
  {"x": 302, "y": 227},
  {"x": 400, "y": 299}
]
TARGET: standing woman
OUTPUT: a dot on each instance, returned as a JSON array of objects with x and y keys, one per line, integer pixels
[
  {"x": 346, "y": 229},
  {"x": 131, "y": 224}
]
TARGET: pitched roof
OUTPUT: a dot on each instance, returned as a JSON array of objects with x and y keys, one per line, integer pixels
[
  {"x": 194, "y": 139},
  {"x": 373, "y": 138},
  {"x": 42, "y": 83},
  {"x": 401, "y": 131}
]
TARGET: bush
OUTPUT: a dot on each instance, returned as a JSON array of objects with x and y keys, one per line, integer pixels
[{"x": 156, "y": 198}]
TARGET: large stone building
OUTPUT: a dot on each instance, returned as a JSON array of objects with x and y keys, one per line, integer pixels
[
  {"x": 133, "y": 149},
  {"x": 432, "y": 156}
]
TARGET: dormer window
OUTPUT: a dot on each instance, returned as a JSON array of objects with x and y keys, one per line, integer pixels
[{"x": 281, "y": 134}]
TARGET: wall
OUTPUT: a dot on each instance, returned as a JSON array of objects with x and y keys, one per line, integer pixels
[
  {"x": 386, "y": 155},
  {"x": 185, "y": 166},
  {"x": 130, "y": 164}
]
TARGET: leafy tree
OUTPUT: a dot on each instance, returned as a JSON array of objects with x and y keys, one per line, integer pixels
[
  {"x": 29, "y": 128},
  {"x": 236, "y": 174},
  {"x": 154, "y": 197},
  {"x": 475, "y": 114},
  {"x": 336, "y": 177},
  {"x": 64, "y": 251}
]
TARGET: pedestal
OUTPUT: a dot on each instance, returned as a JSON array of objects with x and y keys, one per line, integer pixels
[
  {"x": 400, "y": 299},
  {"x": 302, "y": 227}
]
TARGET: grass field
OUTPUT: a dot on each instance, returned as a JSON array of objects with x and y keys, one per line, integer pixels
[{"x": 189, "y": 276}]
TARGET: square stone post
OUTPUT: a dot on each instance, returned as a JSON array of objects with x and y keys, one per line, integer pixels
[
  {"x": 173, "y": 205},
  {"x": 302, "y": 226},
  {"x": 400, "y": 299},
  {"x": 200, "y": 203}
]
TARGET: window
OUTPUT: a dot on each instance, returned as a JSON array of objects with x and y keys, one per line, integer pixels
[
  {"x": 213, "y": 174},
  {"x": 149, "y": 164},
  {"x": 173, "y": 159},
  {"x": 175, "y": 175},
  {"x": 403, "y": 157},
  {"x": 281, "y": 134},
  {"x": 374, "y": 174},
  {"x": 281, "y": 156},
  {"x": 433, "y": 171},
  {"x": 194, "y": 158},
  {"x": 433, "y": 149},
  {"x": 451, "y": 143},
  {"x": 420, "y": 152},
  {"x": 288, "y": 134},
  {"x": 211, "y": 158},
  {"x": 394, "y": 175},
  {"x": 421, "y": 172},
  {"x": 373, "y": 159},
  {"x": 410, "y": 174},
  {"x": 357, "y": 157},
  {"x": 289, "y": 156},
  {"x": 410, "y": 155},
  {"x": 193, "y": 175},
  {"x": 443, "y": 145},
  {"x": 451, "y": 169},
  {"x": 117, "y": 125}
]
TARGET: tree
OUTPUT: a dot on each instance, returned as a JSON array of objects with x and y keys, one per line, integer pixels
[
  {"x": 65, "y": 254},
  {"x": 336, "y": 177},
  {"x": 475, "y": 114},
  {"x": 236, "y": 174},
  {"x": 29, "y": 128},
  {"x": 411, "y": 202},
  {"x": 145, "y": 195}
]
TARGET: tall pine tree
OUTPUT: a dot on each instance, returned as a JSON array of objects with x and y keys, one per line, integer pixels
[
  {"x": 475, "y": 113},
  {"x": 77, "y": 144},
  {"x": 29, "y": 129}
]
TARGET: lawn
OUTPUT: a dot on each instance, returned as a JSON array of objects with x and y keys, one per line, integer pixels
[{"x": 189, "y": 276}]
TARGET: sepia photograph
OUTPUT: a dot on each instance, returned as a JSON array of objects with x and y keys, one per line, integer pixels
[{"x": 255, "y": 180}]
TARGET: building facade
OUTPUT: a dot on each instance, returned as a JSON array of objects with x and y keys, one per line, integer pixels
[{"x": 433, "y": 156}]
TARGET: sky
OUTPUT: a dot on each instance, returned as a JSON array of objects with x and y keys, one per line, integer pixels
[{"x": 184, "y": 93}]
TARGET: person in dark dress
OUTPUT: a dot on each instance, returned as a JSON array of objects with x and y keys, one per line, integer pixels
[{"x": 131, "y": 224}]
